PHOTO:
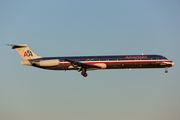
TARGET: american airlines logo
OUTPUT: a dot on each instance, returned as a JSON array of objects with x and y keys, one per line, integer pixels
[
  {"x": 28, "y": 53},
  {"x": 130, "y": 57}
]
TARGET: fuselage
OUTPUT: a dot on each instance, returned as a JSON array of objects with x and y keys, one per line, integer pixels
[
  {"x": 84, "y": 63},
  {"x": 112, "y": 62}
]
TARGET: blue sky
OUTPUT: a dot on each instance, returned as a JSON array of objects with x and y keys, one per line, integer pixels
[{"x": 77, "y": 28}]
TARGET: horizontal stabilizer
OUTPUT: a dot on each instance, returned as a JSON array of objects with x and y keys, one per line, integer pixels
[
  {"x": 25, "y": 52},
  {"x": 15, "y": 46}
]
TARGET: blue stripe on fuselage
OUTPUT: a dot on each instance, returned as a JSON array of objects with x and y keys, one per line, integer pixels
[{"x": 109, "y": 58}]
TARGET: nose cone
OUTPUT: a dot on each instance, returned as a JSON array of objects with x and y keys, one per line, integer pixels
[{"x": 173, "y": 63}]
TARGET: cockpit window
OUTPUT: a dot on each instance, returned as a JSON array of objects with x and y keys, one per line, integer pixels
[{"x": 164, "y": 58}]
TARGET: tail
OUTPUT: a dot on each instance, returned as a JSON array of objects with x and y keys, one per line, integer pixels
[{"x": 25, "y": 52}]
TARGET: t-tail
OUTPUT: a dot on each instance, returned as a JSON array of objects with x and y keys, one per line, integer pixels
[{"x": 25, "y": 52}]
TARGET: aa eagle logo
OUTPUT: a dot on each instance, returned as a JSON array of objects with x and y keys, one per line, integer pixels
[{"x": 28, "y": 53}]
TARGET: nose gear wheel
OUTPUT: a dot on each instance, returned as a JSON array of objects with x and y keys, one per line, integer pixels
[{"x": 166, "y": 71}]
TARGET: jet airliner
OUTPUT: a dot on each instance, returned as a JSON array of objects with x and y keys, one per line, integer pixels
[{"x": 84, "y": 63}]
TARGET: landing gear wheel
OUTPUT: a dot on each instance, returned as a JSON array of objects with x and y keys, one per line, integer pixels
[
  {"x": 166, "y": 71},
  {"x": 85, "y": 75},
  {"x": 82, "y": 73}
]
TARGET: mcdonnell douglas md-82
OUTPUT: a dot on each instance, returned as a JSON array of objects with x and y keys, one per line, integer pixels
[{"x": 85, "y": 63}]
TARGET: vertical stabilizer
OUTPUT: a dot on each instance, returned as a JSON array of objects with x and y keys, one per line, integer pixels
[{"x": 25, "y": 52}]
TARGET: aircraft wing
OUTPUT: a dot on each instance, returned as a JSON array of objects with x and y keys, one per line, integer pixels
[{"x": 77, "y": 65}]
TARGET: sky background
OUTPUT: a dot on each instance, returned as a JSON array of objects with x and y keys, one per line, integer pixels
[{"x": 94, "y": 27}]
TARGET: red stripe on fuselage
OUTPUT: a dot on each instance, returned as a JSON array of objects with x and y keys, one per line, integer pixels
[{"x": 107, "y": 62}]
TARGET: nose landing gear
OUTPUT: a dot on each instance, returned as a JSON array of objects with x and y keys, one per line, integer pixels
[{"x": 166, "y": 71}]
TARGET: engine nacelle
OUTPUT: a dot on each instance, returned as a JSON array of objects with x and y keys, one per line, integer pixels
[{"x": 47, "y": 63}]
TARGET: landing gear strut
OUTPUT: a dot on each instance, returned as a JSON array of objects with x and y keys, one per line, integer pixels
[
  {"x": 83, "y": 73},
  {"x": 166, "y": 71}
]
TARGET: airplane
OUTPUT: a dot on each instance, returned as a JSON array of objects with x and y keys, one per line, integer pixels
[{"x": 85, "y": 63}]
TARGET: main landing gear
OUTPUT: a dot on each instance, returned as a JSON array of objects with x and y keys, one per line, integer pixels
[{"x": 83, "y": 73}]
